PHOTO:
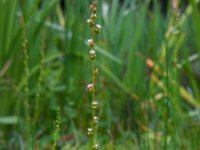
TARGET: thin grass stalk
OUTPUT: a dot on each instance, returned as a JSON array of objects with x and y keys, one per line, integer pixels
[
  {"x": 176, "y": 46},
  {"x": 28, "y": 119},
  {"x": 57, "y": 127},
  {"x": 41, "y": 76},
  {"x": 167, "y": 98},
  {"x": 174, "y": 25}
]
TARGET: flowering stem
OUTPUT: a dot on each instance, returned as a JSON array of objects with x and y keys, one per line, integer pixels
[{"x": 95, "y": 28}]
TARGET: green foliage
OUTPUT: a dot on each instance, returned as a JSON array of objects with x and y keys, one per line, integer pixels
[{"x": 132, "y": 90}]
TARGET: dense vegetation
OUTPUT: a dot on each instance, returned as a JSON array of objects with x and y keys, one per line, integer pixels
[{"x": 148, "y": 87}]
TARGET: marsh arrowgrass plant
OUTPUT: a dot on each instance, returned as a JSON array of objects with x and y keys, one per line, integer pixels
[
  {"x": 26, "y": 62},
  {"x": 28, "y": 119},
  {"x": 95, "y": 28},
  {"x": 57, "y": 127},
  {"x": 41, "y": 75}
]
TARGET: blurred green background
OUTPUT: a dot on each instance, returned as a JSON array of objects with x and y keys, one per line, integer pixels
[{"x": 148, "y": 87}]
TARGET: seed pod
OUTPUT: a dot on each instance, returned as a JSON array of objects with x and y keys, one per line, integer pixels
[
  {"x": 92, "y": 54},
  {"x": 93, "y": 8},
  {"x": 93, "y": 16},
  {"x": 90, "y": 131},
  {"x": 90, "y": 22},
  {"x": 94, "y": 105},
  {"x": 95, "y": 120},
  {"x": 91, "y": 43},
  {"x": 96, "y": 147},
  {"x": 96, "y": 71},
  {"x": 97, "y": 28},
  {"x": 90, "y": 87}
]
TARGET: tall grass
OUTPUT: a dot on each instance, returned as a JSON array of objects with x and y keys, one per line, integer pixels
[{"x": 132, "y": 85}]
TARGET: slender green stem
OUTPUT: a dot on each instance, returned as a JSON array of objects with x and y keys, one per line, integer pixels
[
  {"x": 167, "y": 104},
  {"x": 41, "y": 77},
  {"x": 26, "y": 84},
  {"x": 93, "y": 99}
]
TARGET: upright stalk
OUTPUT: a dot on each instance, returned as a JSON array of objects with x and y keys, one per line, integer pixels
[
  {"x": 40, "y": 78},
  {"x": 95, "y": 28},
  {"x": 26, "y": 83},
  {"x": 173, "y": 25}
]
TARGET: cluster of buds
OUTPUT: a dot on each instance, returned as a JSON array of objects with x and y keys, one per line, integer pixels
[
  {"x": 91, "y": 20},
  {"x": 93, "y": 7},
  {"x": 95, "y": 28}
]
